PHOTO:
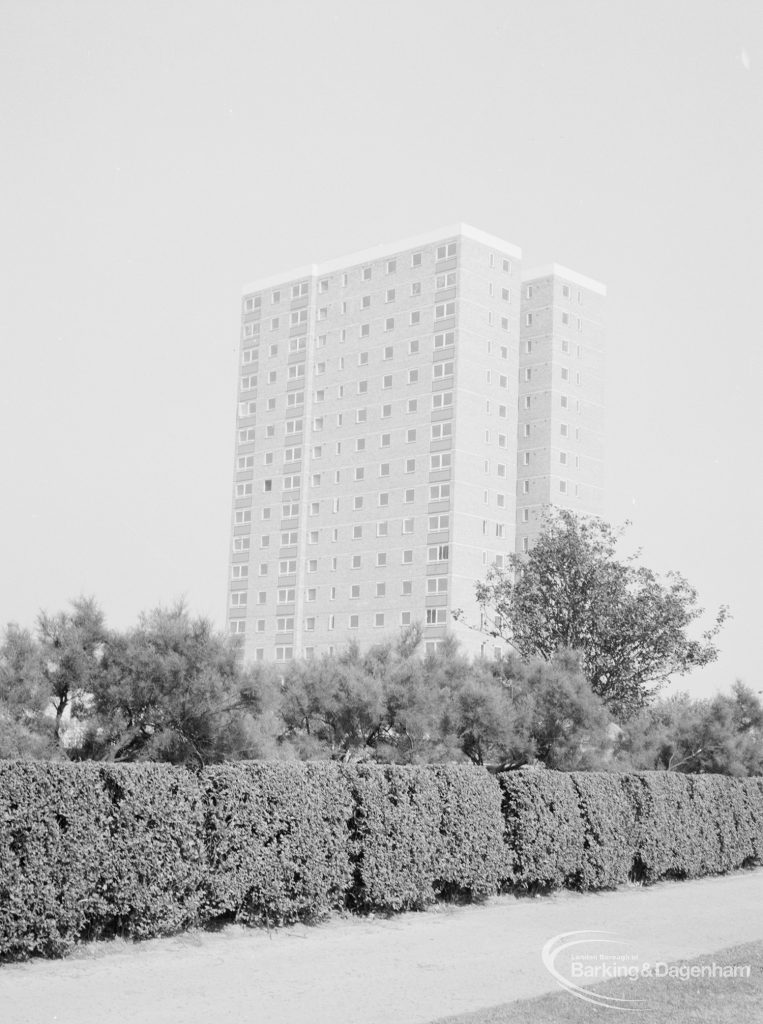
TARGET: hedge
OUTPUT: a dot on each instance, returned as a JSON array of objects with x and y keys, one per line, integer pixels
[
  {"x": 92, "y": 850},
  {"x": 593, "y": 830}
]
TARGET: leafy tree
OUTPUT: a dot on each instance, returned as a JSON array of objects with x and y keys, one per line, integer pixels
[
  {"x": 71, "y": 650},
  {"x": 169, "y": 690},
  {"x": 25, "y": 728},
  {"x": 721, "y": 735},
  {"x": 572, "y": 592}
]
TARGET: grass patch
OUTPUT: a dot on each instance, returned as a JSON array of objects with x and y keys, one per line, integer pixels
[{"x": 695, "y": 1001}]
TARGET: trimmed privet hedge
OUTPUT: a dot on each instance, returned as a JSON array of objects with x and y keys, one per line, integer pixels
[
  {"x": 276, "y": 841},
  {"x": 89, "y": 850},
  {"x": 422, "y": 833},
  {"x": 593, "y": 830}
]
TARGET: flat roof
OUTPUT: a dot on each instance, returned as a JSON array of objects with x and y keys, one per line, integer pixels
[
  {"x": 557, "y": 270},
  {"x": 387, "y": 249}
]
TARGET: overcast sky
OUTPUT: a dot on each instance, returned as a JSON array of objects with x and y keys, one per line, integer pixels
[{"x": 157, "y": 156}]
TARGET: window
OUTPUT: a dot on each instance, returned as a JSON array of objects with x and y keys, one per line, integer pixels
[
  {"x": 413, "y": 376},
  {"x": 437, "y": 585},
  {"x": 444, "y": 339},
  {"x": 246, "y": 435},
  {"x": 525, "y": 487},
  {"x": 563, "y": 429},
  {"x": 387, "y": 381},
  {"x": 362, "y": 387},
  {"x": 504, "y": 323},
  {"x": 381, "y": 589},
  {"x": 360, "y": 444},
  {"x": 296, "y": 371},
  {"x": 410, "y": 465},
  {"x": 443, "y": 400},
  {"x": 383, "y": 499},
  {"x": 247, "y": 408},
  {"x": 291, "y": 483},
  {"x": 323, "y": 286},
  {"x": 284, "y": 653},
  {"x": 441, "y": 430},
  {"x": 436, "y": 616},
  {"x": 440, "y": 370},
  {"x": 293, "y": 426},
  {"x": 388, "y": 352},
  {"x": 526, "y": 458},
  {"x": 563, "y": 458},
  {"x": 444, "y": 309},
  {"x": 413, "y": 405},
  {"x": 357, "y": 532},
  {"x": 295, "y": 454},
  {"x": 359, "y": 473},
  {"x": 439, "y": 522},
  {"x": 238, "y": 599},
  {"x": 406, "y": 588},
  {"x": 416, "y": 259},
  {"x": 356, "y": 562},
  {"x": 391, "y": 266},
  {"x": 445, "y": 280},
  {"x": 565, "y": 318},
  {"x": 267, "y": 485},
  {"x": 407, "y": 526},
  {"x": 381, "y": 559},
  {"x": 361, "y": 415},
  {"x": 440, "y": 460},
  {"x": 245, "y": 462},
  {"x": 243, "y": 490},
  {"x": 437, "y": 553},
  {"x": 297, "y": 317},
  {"x": 445, "y": 252},
  {"x": 286, "y": 595},
  {"x": 563, "y": 486},
  {"x": 249, "y": 382},
  {"x": 386, "y": 411},
  {"x": 409, "y": 496},
  {"x": 354, "y": 621},
  {"x": 528, "y": 319},
  {"x": 295, "y": 398},
  {"x": 528, "y": 375},
  {"x": 414, "y": 317},
  {"x": 389, "y": 323},
  {"x": 439, "y": 492},
  {"x": 366, "y": 273},
  {"x": 389, "y": 295},
  {"x": 243, "y": 515},
  {"x": 382, "y": 528},
  {"x": 384, "y": 469},
  {"x": 565, "y": 373}
]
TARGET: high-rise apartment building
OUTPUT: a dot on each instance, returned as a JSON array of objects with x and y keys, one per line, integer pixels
[{"x": 396, "y": 407}]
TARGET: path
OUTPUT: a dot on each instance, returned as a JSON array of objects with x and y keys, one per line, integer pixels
[{"x": 410, "y": 969}]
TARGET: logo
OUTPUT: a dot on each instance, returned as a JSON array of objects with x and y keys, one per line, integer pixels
[{"x": 589, "y": 956}]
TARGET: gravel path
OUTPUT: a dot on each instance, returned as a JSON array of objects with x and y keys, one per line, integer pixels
[{"x": 409, "y": 969}]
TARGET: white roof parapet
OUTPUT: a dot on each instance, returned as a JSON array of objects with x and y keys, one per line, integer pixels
[
  {"x": 557, "y": 270},
  {"x": 386, "y": 249}
]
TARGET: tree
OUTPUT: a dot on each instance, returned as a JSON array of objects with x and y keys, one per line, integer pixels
[
  {"x": 25, "y": 727},
  {"x": 722, "y": 735},
  {"x": 572, "y": 592},
  {"x": 170, "y": 690},
  {"x": 71, "y": 649}
]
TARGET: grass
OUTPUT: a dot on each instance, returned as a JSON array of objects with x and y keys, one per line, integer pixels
[{"x": 696, "y": 1001}]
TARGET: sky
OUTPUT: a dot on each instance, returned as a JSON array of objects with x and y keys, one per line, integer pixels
[{"x": 157, "y": 156}]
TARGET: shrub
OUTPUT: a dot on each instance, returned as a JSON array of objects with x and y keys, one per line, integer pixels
[
  {"x": 276, "y": 840},
  {"x": 53, "y": 840},
  {"x": 419, "y": 833},
  {"x": 591, "y": 830},
  {"x": 155, "y": 861},
  {"x": 543, "y": 830}
]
